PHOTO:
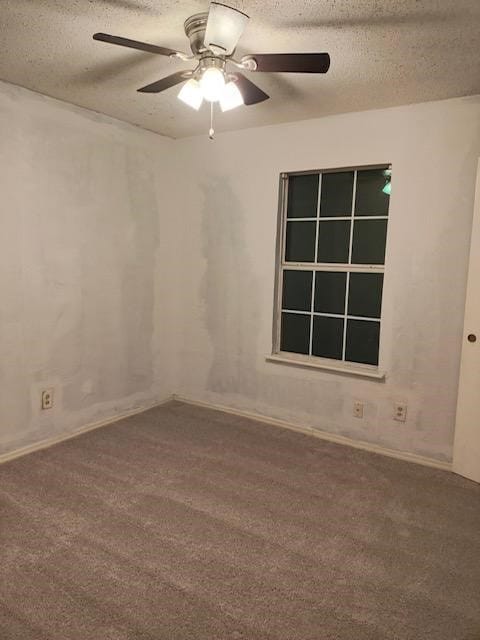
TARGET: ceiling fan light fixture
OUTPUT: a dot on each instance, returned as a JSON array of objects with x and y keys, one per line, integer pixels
[
  {"x": 214, "y": 36},
  {"x": 191, "y": 94},
  {"x": 225, "y": 25},
  {"x": 231, "y": 97},
  {"x": 212, "y": 84}
]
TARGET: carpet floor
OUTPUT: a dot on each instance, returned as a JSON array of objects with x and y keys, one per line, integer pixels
[{"x": 185, "y": 523}]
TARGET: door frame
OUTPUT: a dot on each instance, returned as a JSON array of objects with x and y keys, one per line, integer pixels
[{"x": 466, "y": 446}]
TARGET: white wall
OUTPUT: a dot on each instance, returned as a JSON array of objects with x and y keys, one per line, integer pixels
[
  {"x": 85, "y": 253},
  {"x": 227, "y": 244},
  {"x": 133, "y": 266}
]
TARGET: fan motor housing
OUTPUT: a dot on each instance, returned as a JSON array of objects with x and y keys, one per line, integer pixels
[{"x": 195, "y": 27}]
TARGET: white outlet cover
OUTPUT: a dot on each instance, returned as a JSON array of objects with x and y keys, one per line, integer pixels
[
  {"x": 47, "y": 399},
  {"x": 400, "y": 412},
  {"x": 358, "y": 409}
]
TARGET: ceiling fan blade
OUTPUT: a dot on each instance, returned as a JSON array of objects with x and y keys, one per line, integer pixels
[
  {"x": 135, "y": 44},
  {"x": 251, "y": 94},
  {"x": 166, "y": 83},
  {"x": 224, "y": 27},
  {"x": 288, "y": 62}
]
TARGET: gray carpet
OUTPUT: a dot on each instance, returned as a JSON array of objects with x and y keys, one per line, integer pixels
[{"x": 188, "y": 523}]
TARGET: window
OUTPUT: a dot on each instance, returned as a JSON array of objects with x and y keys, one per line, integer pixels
[{"x": 333, "y": 230}]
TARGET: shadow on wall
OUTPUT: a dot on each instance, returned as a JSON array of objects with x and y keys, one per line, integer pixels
[
  {"x": 115, "y": 253},
  {"x": 234, "y": 312},
  {"x": 229, "y": 291}
]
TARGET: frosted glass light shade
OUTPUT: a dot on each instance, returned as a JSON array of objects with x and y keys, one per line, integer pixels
[
  {"x": 387, "y": 189},
  {"x": 191, "y": 94},
  {"x": 212, "y": 84},
  {"x": 231, "y": 97},
  {"x": 224, "y": 28}
]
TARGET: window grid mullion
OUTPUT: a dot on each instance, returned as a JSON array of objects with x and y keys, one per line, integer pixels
[
  {"x": 334, "y": 218},
  {"x": 347, "y": 287},
  {"x": 333, "y": 266},
  {"x": 311, "y": 314},
  {"x": 331, "y": 315},
  {"x": 352, "y": 217},
  {"x": 312, "y": 302},
  {"x": 317, "y": 229},
  {"x": 297, "y": 311}
]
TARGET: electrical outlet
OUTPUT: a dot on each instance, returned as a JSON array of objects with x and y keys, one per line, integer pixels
[
  {"x": 400, "y": 411},
  {"x": 358, "y": 409},
  {"x": 47, "y": 399}
]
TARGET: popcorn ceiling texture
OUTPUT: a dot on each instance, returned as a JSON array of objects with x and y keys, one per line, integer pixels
[{"x": 384, "y": 53}]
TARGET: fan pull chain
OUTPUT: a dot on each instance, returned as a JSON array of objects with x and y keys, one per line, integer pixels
[{"x": 211, "y": 133}]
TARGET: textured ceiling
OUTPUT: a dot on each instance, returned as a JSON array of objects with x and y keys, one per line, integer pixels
[{"x": 384, "y": 53}]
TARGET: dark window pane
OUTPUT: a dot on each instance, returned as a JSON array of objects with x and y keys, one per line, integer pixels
[
  {"x": 337, "y": 194},
  {"x": 362, "y": 341},
  {"x": 370, "y": 199},
  {"x": 300, "y": 242},
  {"x": 302, "y": 196},
  {"x": 295, "y": 334},
  {"x": 327, "y": 341},
  {"x": 333, "y": 241},
  {"x": 330, "y": 291},
  {"x": 369, "y": 238},
  {"x": 365, "y": 294},
  {"x": 297, "y": 290}
]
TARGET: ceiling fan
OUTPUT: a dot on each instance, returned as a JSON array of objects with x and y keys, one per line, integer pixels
[{"x": 214, "y": 36}]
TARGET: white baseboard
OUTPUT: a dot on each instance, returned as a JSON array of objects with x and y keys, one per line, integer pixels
[
  {"x": 323, "y": 435},
  {"x": 48, "y": 442}
]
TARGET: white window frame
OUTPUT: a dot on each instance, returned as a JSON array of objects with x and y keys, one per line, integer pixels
[{"x": 311, "y": 361}]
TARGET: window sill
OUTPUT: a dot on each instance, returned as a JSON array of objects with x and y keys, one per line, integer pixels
[{"x": 365, "y": 371}]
